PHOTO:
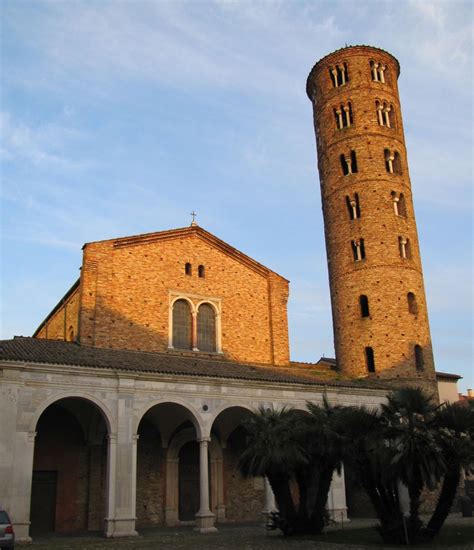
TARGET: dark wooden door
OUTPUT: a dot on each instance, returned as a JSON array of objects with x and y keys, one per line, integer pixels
[
  {"x": 43, "y": 502},
  {"x": 189, "y": 481}
]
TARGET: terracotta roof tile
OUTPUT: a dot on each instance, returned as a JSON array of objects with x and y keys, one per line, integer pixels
[{"x": 58, "y": 352}]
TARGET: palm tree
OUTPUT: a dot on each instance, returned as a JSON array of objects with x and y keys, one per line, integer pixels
[
  {"x": 366, "y": 452},
  {"x": 455, "y": 424},
  {"x": 324, "y": 446},
  {"x": 273, "y": 449},
  {"x": 416, "y": 458}
]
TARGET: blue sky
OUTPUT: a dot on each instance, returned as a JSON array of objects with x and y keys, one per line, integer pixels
[{"x": 120, "y": 118}]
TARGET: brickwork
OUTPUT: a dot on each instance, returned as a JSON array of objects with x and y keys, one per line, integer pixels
[
  {"x": 126, "y": 285},
  {"x": 59, "y": 449},
  {"x": 245, "y": 498},
  {"x": 62, "y": 324},
  {"x": 386, "y": 278},
  {"x": 151, "y": 480}
]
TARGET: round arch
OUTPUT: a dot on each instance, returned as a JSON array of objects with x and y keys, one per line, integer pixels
[
  {"x": 185, "y": 299},
  {"x": 109, "y": 419},
  {"x": 209, "y": 303},
  {"x": 193, "y": 413},
  {"x": 231, "y": 405}
]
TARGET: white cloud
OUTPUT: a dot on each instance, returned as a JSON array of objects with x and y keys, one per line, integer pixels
[
  {"x": 231, "y": 45},
  {"x": 41, "y": 145}
]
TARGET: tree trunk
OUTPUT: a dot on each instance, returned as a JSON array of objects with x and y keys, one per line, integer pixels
[
  {"x": 445, "y": 501},
  {"x": 414, "y": 521},
  {"x": 280, "y": 485},
  {"x": 319, "y": 512}
]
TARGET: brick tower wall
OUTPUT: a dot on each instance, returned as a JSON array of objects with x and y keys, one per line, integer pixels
[{"x": 386, "y": 278}]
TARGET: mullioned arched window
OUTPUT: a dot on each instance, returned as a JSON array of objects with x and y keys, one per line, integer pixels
[{"x": 339, "y": 75}]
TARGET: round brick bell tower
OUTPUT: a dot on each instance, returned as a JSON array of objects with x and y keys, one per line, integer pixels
[{"x": 380, "y": 318}]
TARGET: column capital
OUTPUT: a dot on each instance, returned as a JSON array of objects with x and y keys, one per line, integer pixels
[{"x": 206, "y": 439}]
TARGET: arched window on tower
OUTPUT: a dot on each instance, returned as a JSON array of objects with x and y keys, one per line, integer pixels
[
  {"x": 343, "y": 115},
  {"x": 206, "y": 328},
  {"x": 358, "y": 249},
  {"x": 404, "y": 247},
  {"x": 182, "y": 325},
  {"x": 348, "y": 163},
  {"x": 385, "y": 114},
  {"x": 339, "y": 75},
  {"x": 369, "y": 359},
  {"x": 364, "y": 305},
  {"x": 399, "y": 205},
  {"x": 188, "y": 269},
  {"x": 378, "y": 71},
  {"x": 201, "y": 271},
  {"x": 393, "y": 163},
  {"x": 353, "y": 207},
  {"x": 419, "y": 359},
  {"x": 412, "y": 305}
]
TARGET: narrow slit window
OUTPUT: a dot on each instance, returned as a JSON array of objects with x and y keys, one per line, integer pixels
[
  {"x": 346, "y": 167},
  {"x": 369, "y": 359},
  {"x": 397, "y": 163},
  {"x": 354, "y": 162},
  {"x": 402, "y": 207},
  {"x": 364, "y": 306},
  {"x": 419, "y": 359},
  {"x": 70, "y": 334},
  {"x": 353, "y": 207},
  {"x": 188, "y": 269},
  {"x": 201, "y": 271},
  {"x": 412, "y": 305}
]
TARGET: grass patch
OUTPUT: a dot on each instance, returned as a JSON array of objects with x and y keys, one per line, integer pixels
[{"x": 451, "y": 536}]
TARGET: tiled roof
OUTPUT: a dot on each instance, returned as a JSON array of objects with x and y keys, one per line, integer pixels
[
  {"x": 448, "y": 375},
  {"x": 58, "y": 352}
]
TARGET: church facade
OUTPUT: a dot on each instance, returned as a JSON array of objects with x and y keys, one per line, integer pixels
[{"x": 124, "y": 409}]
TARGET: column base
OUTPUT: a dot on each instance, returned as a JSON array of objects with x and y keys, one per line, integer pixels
[
  {"x": 205, "y": 522},
  {"x": 22, "y": 531},
  {"x": 339, "y": 515},
  {"x": 220, "y": 510},
  {"x": 171, "y": 517},
  {"x": 124, "y": 527}
]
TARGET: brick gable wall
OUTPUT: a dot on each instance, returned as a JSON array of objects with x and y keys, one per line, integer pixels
[{"x": 125, "y": 297}]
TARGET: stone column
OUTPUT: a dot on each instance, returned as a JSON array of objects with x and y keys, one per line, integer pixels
[
  {"x": 194, "y": 332},
  {"x": 122, "y": 467},
  {"x": 204, "y": 518},
  {"x": 21, "y": 478},
  {"x": 336, "y": 504}
]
